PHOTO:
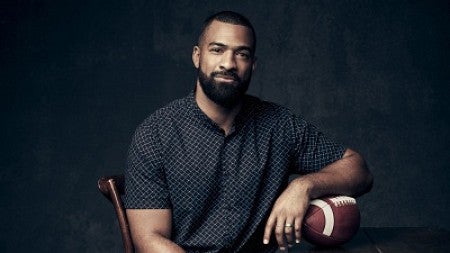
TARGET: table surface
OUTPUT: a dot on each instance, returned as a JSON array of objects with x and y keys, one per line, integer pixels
[{"x": 388, "y": 240}]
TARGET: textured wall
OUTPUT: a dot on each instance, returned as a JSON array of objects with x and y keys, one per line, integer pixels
[{"x": 77, "y": 77}]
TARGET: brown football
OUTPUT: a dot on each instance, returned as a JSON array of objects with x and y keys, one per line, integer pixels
[{"x": 331, "y": 221}]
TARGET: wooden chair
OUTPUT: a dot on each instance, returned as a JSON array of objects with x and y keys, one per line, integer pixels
[{"x": 113, "y": 187}]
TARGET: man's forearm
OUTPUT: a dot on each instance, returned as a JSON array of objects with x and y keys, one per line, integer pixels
[
  {"x": 347, "y": 176},
  {"x": 156, "y": 244},
  {"x": 151, "y": 230}
]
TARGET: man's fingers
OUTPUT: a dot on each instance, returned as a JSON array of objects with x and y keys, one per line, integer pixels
[
  {"x": 277, "y": 225},
  {"x": 268, "y": 229},
  {"x": 279, "y": 233},
  {"x": 289, "y": 231},
  {"x": 298, "y": 230}
]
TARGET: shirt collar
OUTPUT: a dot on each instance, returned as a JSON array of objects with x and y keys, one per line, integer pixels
[{"x": 244, "y": 115}]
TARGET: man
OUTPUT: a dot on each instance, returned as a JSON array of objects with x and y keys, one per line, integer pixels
[{"x": 210, "y": 172}]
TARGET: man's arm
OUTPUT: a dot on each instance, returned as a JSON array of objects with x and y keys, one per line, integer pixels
[
  {"x": 346, "y": 176},
  {"x": 151, "y": 230}
]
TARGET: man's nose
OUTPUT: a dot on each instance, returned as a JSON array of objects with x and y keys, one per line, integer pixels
[{"x": 228, "y": 61}]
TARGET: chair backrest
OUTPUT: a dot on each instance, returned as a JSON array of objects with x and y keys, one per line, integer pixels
[{"x": 113, "y": 187}]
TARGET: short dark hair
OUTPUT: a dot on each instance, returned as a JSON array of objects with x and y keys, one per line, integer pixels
[{"x": 229, "y": 17}]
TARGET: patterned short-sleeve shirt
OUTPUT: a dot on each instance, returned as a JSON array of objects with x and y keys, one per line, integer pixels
[{"x": 220, "y": 187}]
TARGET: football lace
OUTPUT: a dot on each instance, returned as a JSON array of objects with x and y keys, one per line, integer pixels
[{"x": 343, "y": 201}]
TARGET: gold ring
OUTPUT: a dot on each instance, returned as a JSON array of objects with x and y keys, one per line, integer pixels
[{"x": 288, "y": 225}]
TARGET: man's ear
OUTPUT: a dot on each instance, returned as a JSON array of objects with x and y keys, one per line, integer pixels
[
  {"x": 196, "y": 56},
  {"x": 254, "y": 63}
]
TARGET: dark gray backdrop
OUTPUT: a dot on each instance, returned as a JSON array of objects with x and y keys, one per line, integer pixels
[{"x": 78, "y": 76}]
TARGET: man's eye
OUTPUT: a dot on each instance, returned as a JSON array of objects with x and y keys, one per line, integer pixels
[
  {"x": 243, "y": 55},
  {"x": 216, "y": 50}
]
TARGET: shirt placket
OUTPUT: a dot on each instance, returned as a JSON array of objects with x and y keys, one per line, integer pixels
[{"x": 227, "y": 184}]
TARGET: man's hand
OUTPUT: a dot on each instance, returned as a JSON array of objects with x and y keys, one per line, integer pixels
[
  {"x": 346, "y": 176},
  {"x": 285, "y": 220}
]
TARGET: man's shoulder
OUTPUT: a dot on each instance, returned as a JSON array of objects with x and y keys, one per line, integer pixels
[
  {"x": 164, "y": 119},
  {"x": 271, "y": 115},
  {"x": 170, "y": 111},
  {"x": 266, "y": 110}
]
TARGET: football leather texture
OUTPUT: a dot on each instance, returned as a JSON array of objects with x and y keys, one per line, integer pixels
[{"x": 331, "y": 221}]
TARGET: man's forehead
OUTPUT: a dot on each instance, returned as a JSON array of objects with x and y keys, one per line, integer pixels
[{"x": 228, "y": 34}]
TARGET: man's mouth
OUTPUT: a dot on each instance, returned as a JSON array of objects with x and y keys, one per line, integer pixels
[{"x": 226, "y": 77}]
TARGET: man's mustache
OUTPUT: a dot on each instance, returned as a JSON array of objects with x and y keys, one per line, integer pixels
[{"x": 226, "y": 73}]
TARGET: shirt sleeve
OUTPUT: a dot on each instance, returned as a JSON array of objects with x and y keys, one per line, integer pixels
[
  {"x": 314, "y": 150},
  {"x": 145, "y": 183}
]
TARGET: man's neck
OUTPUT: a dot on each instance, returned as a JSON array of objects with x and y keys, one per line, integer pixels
[{"x": 222, "y": 116}]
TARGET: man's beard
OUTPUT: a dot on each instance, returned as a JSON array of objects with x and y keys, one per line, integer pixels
[{"x": 223, "y": 94}]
